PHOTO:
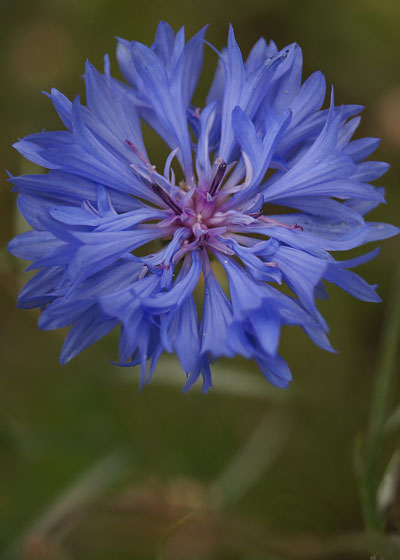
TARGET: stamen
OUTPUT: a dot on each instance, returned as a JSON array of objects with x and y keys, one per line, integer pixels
[
  {"x": 143, "y": 272},
  {"x": 256, "y": 214},
  {"x": 273, "y": 222},
  {"x": 219, "y": 175},
  {"x": 150, "y": 168},
  {"x": 137, "y": 152},
  {"x": 166, "y": 198}
]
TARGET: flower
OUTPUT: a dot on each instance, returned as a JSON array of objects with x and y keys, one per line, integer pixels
[{"x": 116, "y": 242}]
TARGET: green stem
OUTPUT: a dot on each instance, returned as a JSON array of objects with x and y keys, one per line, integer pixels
[{"x": 386, "y": 359}]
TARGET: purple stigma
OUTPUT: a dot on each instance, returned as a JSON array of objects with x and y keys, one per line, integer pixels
[
  {"x": 219, "y": 175},
  {"x": 166, "y": 198}
]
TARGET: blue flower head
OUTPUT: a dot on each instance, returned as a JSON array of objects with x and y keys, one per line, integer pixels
[{"x": 116, "y": 241}]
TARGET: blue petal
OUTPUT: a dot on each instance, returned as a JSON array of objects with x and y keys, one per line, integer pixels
[
  {"x": 193, "y": 63},
  {"x": 83, "y": 155},
  {"x": 203, "y": 165},
  {"x": 351, "y": 283},
  {"x": 311, "y": 126},
  {"x": 125, "y": 61},
  {"x": 266, "y": 327},
  {"x": 234, "y": 78},
  {"x": 181, "y": 289},
  {"x": 203, "y": 370},
  {"x": 216, "y": 320},
  {"x": 258, "y": 54},
  {"x": 378, "y": 231},
  {"x": 257, "y": 268},
  {"x": 62, "y": 314},
  {"x": 369, "y": 171},
  {"x": 322, "y": 207},
  {"x": 33, "y": 245},
  {"x": 302, "y": 272},
  {"x": 259, "y": 152},
  {"x": 180, "y": 334},
  {"x": 62, "y": 105},
  {"x": 318, "y": 336},
  {"x": 309, "y": 98},
  {"x": 217, "y": 89},
  {"x": 290, "y": 80},
  {"x": 318, "y": 237},
  {"x": 102, "y": 249},
  {"x": 66, "y": 310},
  {"x": 91, "y": 327},
  {"x": 276, "y": 370},
  {"x": 164, "y": 42},
  {"x": 38, "y": 290},
  {"x": 361, "y": 148},
  {"x": 246, "y": 294},
  {"x": 65, "y": 188},
  {"x": 113, "y": 117},
  {"x": 164, "y": 92}
]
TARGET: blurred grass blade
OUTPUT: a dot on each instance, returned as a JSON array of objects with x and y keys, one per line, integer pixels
[
  {"x": 258, "y": 453},
  {"x": 161, "y": 555},
  {"x": 388, "y": 488},
  {"x": 386, "y": 362},
  {"x": 370, "y": 471},
  {"x": 81, "y": 493},
  {"x": 393, "y": 422}
]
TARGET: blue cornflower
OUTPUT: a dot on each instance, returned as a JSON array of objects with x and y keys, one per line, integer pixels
[{"x": 116, "y": 242}]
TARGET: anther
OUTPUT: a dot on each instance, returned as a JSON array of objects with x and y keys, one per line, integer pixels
[
  {"x": 166, "y": 198},
  {"x": 219, "y": 175}
]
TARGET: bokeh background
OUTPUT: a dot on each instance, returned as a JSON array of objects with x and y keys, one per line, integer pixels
[{"x": 89, "y": 468}]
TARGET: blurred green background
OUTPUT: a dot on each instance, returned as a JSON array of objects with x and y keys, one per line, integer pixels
[{"x": 89, "y": 468}]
